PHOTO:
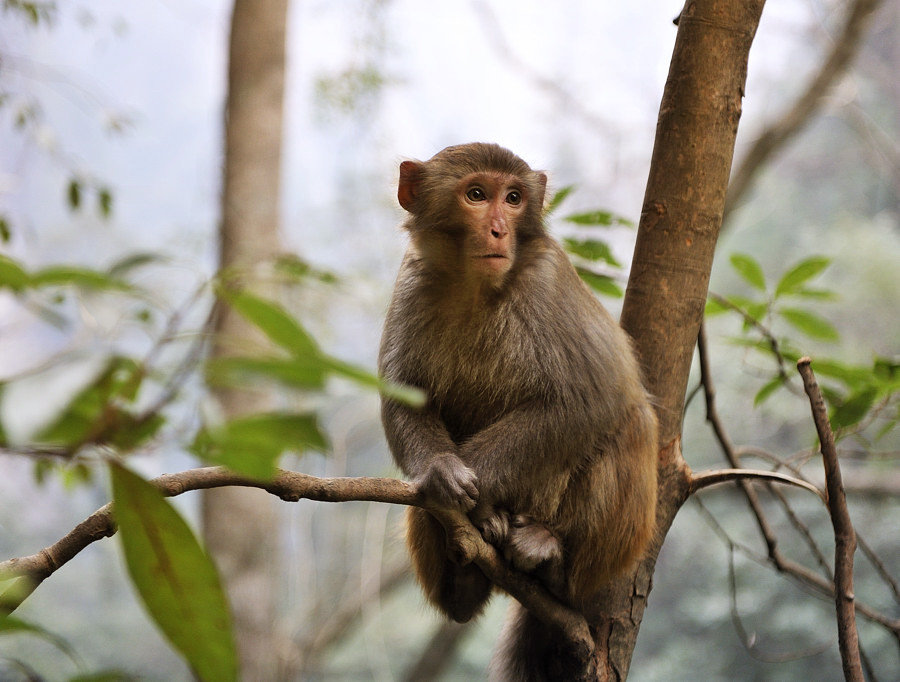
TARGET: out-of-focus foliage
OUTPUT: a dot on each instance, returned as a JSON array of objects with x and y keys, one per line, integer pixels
[
  {"x": 102, "y": 424},
  {"x": 589, "y": 253},
  {"x": 861, "y": 397}
]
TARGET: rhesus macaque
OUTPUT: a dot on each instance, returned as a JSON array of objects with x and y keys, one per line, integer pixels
[{"x": 536, "y": 422}]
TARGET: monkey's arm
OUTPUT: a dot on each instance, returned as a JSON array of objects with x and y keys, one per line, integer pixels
[{"x": 424, "y": 450}]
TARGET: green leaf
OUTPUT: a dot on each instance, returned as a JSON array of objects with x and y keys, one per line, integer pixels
[
  {"x": 105, "y": 676},
  {"x": 602, "y": 284},
  {"x": 13, "y": 275},
  {"x": 133, "y": 261},
  {"x": 749, "y": 269},
  {"x": 295, "y": 267},
  {"x": 770, "y": 387},
  {"x": 591, "y": 249},
  {"x": 5, "y": 232},
  {"x": 851, "y": 410},
  {"x": 92, "y": 412},
  {"x": 74, "y": 194},
  {"x": 715, "y": 307},
  {"x": 251, "y": 445},
  {"x": 792, "y": 281},
  {"x": 815, "y": 294},
  {"x": 174, "y": 577},
  {"x": 104, "y": 202},
  {"x": 810, "y": 324},
  {"x": 274, "y": 321},
  {"x": 598, "y": 218},
  {"x": 65, "y": 275},
  {"x": 409, "y": 395},
  {"x": 307, "y": 372},
  {"x": 558, "y": 198}
]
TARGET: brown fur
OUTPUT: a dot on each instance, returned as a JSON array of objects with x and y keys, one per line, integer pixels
[{"x": 535, "y": 405}]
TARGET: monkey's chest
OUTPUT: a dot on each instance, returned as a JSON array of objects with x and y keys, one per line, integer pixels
[{"x": 474, "y": 378}]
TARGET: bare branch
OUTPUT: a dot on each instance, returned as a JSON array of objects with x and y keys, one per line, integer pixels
[
  {"x": 708, "y": 478},
  {"x": 844, "y": 536},
  {"x": 293, "y": 486}
]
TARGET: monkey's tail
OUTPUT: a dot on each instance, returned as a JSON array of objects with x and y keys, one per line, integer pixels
[{"x": 529, "y": 651}]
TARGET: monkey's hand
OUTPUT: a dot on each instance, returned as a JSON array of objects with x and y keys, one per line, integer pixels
[{"x": 447, "y": 482}]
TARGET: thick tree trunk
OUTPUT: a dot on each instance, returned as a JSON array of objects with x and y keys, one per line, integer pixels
[
  {"x": 240, "y": 524},
  {"x": 680, "y": 222}
]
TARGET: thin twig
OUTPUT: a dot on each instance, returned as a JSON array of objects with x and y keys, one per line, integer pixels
[{"x": 844, "y": 536}]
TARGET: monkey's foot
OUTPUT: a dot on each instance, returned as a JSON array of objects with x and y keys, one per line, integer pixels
[{"x": 530, "y": 544}]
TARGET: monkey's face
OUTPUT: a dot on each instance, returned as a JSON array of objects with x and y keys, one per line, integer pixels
[{"x": 490, "y": 207}]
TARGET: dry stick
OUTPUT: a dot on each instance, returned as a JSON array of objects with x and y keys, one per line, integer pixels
[
  {"x": 844, "y": 537},
  {"x": 293, "y": 486}
]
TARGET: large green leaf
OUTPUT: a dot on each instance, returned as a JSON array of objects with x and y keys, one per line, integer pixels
[
  {"x": 279, "y": 325},
  {"x": 307, "y": 372},
  {"x": 602, "y": 284},
  {"x": 251, "y": 445},
  {"x": 792, "y": 281},
  {"x": 175, "y": 578},
  {"x": 591, "y": 249},
  {"x": 810, "y": 324},
  {"x": 747, "y": 267}
]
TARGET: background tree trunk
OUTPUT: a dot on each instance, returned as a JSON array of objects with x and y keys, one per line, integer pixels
[
  {"x": 240, "y": 524},
  {"x": 666, "y": 295}
]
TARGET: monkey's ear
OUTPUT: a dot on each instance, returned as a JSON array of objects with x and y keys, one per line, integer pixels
[
  {"x": 410, "y": 174},
  {"x": 542, "y": 188}
]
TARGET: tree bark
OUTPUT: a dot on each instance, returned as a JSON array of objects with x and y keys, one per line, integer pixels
[
  {"x": 666, "y": 294},
  {"x": 240, "y": 524}
]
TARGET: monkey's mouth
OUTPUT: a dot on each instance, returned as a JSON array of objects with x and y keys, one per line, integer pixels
[{"x": 493, "y": 255}]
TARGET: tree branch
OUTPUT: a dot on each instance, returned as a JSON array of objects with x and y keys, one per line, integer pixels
[
  {"x": 292, "y": 486},
  {"x": 844, "y": 536},
  {"x": 705, "y": 479}
]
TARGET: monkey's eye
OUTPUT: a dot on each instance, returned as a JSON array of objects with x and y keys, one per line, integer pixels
[
  {"x": 514, "y": 197},
  {"x": 476, "y": 194}
]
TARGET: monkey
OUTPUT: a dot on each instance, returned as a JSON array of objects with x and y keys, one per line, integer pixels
[{"x": 536, "y": 421}]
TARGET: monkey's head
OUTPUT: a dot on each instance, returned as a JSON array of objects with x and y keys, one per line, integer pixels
[{"x": 471, "y": 207}]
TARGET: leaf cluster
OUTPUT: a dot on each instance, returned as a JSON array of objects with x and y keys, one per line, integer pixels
[
  {"x": 590, "y": 252},
  {"x": 856, "y": 393},
  {"x": 171, "y": 571}
]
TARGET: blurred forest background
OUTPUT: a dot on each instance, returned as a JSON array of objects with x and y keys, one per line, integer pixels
[{"x": 111, "y": 121}]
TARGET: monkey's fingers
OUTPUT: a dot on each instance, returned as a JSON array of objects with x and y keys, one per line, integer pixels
[{"x": 450, "y": 483}]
